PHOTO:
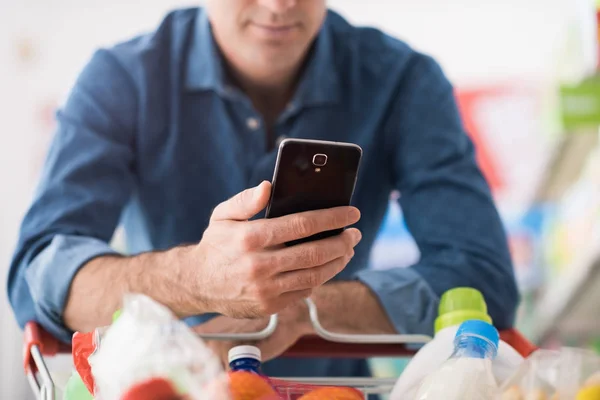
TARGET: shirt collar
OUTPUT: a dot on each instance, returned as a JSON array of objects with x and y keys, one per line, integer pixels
[
  {"x": 318, "y": 85},
  {"x": 320, "y": 81},
  {"x": 205, "y": 64}
]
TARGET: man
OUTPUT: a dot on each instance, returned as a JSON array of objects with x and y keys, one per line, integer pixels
[{"x": 160, "y": 130}]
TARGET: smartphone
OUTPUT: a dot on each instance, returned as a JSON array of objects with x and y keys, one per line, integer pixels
[{"x": 313, "y": 175}]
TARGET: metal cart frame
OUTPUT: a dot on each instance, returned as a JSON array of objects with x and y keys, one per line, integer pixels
[{"x": 38, "y": 344}]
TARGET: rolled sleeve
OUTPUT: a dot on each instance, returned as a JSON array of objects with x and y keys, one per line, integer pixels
[
  {"x": 406, "y": 297},
  {"x": 50, "y": 274}
]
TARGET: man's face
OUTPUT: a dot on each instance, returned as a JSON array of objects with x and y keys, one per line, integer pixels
[{"x": 265, "y": 34}]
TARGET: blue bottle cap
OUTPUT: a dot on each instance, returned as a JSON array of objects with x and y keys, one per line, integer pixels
[
  {"x": 480, "y": 329},
  {"x": 239, "y": 352}
]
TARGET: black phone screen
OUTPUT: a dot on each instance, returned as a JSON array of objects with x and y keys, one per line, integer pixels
[{"x": 312, "y": 175}]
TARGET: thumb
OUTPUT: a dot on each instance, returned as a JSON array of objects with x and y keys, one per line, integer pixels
[{"x": 243, "y": 205}]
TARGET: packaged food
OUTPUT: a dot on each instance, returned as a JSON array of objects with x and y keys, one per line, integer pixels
[
  {"x": 565, "y": 374},
  {"x": 147, "y": 342}
]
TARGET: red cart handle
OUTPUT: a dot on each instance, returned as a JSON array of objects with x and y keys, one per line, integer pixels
[
  {"x": 314, "y": 346},
  {"x": 309, "y": 346},
  {"x": 518, "y": 342},
  {"x": 35, "y": 335}
]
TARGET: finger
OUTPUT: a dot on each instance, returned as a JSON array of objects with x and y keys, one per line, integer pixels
[
  {"x": 311, "y": 278},
  {"x": 289, "y": 298},
  {"x": 243, "y": 205},
  {"x": 276, "y": 231},
  {"x": 311, "y": 254}
]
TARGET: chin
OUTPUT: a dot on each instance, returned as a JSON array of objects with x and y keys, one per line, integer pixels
[
  {"x": 277, "y": 68},
  {"x": 279, "y": 59}
]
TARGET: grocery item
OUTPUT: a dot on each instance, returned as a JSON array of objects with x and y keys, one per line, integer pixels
[
  {"x": 333, "y": 393},
  {"x": 245, "y": 358},
  {"x": 84, "y": 345},
  {"x": 244, "y": 385},
  {"x": 245, "y": 380},
  {"x": 589, "y": 393},
  {"x": 566, "y": 374},
  {"x": 153, "y": 389},
  {"x": 76, "y": 389},
  {"x": 467, "y": 374},
  {"x": 593, "y": 379},
  {"x": 456, "y": 306},
  {"x": 515, "y": 393},
  {"x": 149, "y": 342}
]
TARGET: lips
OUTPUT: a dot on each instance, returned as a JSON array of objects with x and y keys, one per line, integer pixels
[
  {"x": 274, "y": 31},
  {"x": 275, "y": 27}
]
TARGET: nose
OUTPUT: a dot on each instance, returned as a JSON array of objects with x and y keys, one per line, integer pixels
[{"x": 278, "y": 6}]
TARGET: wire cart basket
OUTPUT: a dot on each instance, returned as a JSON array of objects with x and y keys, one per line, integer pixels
[{"x": 38, "y": 345}]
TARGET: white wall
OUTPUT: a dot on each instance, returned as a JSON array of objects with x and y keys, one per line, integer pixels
[
  {"x": 478, "y": 40},
  {"x": 475, "y": 40}
]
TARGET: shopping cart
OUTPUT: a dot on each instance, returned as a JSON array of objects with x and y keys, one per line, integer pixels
[{"x": 38, "y": 344}]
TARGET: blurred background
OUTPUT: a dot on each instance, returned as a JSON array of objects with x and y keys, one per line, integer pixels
[{"x": 525, "y": 77}]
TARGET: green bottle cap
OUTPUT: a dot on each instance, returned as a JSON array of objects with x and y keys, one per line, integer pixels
[
  {"x": 116, "y": 315},
  {"x": 459, "y": 305}
]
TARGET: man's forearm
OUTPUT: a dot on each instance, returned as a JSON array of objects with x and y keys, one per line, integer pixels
[
  {"x": 351, "y": 307},
  {"x": 97, "y": 290}
]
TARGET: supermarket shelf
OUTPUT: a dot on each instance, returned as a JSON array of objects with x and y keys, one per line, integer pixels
[
  {"x": 570, "y": 307},
  {"x": 566, "y": 164}
]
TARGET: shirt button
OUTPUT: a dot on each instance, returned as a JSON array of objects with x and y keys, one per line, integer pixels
[{"x": 252, "y": 123}]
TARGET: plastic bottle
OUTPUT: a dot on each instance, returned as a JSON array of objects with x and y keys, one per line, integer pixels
[
  {"x": 245, "y": 358},
  {"x": 456, "y": 306},
  {"x": 245, "y": 379},
  {"x": 467, "y": 374}
]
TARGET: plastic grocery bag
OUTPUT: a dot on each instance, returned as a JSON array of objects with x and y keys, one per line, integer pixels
[
  {"x": 148, "y": 342},
  {"x": 567, "y": 374}
]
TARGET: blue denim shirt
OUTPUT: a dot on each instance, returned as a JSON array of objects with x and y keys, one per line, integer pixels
[{"x": 153, "y": 135}]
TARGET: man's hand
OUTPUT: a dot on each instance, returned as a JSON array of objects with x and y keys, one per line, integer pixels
[
  {"x": 293, "y": 323},
  {"x": 242, "y": 268},
  {"x": 338, "y": 305}
]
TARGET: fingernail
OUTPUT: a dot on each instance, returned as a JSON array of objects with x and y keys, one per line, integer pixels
[
  {"x": 353, "y": 214},
  {"x": 256, "y": 191},
  {"x": 357, "y": 235}
]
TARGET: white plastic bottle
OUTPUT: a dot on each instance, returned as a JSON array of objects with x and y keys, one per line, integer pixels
[
  {"x": 456, "y": 306},
  {"x": 467, "y": 374}
]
